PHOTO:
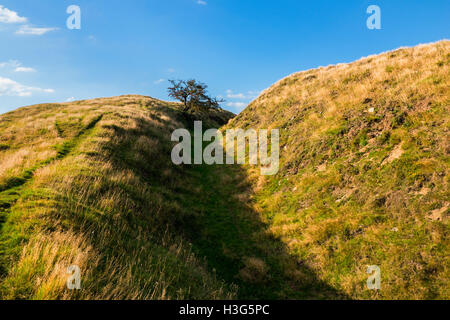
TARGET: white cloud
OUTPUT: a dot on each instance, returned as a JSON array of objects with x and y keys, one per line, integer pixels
[
  {"x": 17, "y": 66},
  {"x": 9, "y": 16},
  {"x": 71, "y": 99},
  {"x": 253, "y": 94},
  {"x": 27, "y": 30},
  {"x": 10, "y": 87},
  {"x": 202, "y": 2},
  {"x": 24, "y": 69},
  {"x": 159, "y": 81},
  {"x": 171, "y": 70},
  {"x": 250, "y": 95},
  {"x": 231, "y": 95},
  {"x": 10, "y": 63},
  {"x": 237, "y": 105}
]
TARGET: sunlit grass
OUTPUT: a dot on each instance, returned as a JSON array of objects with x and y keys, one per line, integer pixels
[{"x": 364, "y": 171}]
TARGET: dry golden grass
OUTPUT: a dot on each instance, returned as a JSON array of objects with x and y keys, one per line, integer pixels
[
  {"x": 364, "y": 170},
  {"x": 93, "y": 195}
]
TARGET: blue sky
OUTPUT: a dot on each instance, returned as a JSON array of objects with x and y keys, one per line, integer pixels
[{"x": 237, "y": 47}]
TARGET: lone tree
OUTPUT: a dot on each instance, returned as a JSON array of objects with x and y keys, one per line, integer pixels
[{"x": 192, "y": 94}]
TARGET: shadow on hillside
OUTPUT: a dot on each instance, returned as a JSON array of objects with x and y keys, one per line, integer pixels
[
  {"x": 239, "y": 246},
  {"x": 210, "y": 206},
  {"x": 236, "y": 244}
]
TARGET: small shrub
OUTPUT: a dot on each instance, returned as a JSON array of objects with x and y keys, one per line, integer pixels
[
  {"x": 361, "y": 139},
  {"x": 384, "y": 137},
  {"x": 399, "y": 120}
]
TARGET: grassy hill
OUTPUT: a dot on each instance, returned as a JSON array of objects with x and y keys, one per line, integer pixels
[
  {"x": 90, "y": 183},
  {"x": 363, "y": 181},
  {"x": 364, "y": 172}
]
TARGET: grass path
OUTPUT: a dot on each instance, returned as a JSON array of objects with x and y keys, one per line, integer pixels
[
  {"x": 16, "y": 187},
  {"x": 237, "y": 245}
]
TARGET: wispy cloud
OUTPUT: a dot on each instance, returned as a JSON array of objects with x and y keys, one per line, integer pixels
[
  {"x": 10, "y": 87},
  {"x": 231, "y": 95},
  {"x": 237, "y": 105},
  {"x": 24, "y": 69},
  {"x": 27, "y": 30},
  {"x": 242, "y": 96},
  {"x": 16, "y": 65},
  {"x": 9, "y": 16},
  {"x": 10, "y": 64},
  {"x": 171, "y": 70},
  {"x": 253, "y": 94},
  {"x": 159, "y": 81},
  {"x": 243, "y": 99},
  {"x": 71, "y": 99},
  {"x": 202, "y": 2}
]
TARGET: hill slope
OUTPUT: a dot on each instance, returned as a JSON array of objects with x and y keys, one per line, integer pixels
[
  {"x": 91, "y": 184},
  {"x": 364, "y": 172}
]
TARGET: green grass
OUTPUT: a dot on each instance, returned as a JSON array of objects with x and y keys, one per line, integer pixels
[
  {"x": 16, "y": 188},
  {"x": 357, "y": 187},
  {"x": 126, "y": 243}
]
